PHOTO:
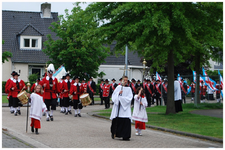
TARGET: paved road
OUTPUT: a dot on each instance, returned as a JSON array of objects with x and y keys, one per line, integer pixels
[{"x": 91, "y": 132}]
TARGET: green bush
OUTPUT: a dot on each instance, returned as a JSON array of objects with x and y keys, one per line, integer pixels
[
  {"x": 97, "y": 89},
  {"x": 3, "y": 86},
  {"x": 32, "y": 78}
]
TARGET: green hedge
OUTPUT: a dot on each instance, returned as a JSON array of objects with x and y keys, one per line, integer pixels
[{"x": 3, "y": 86}]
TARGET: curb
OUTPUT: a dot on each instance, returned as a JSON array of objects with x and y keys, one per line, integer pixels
[{"x": 172, "y": 131}]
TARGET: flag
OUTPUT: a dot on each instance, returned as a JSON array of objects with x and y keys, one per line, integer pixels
[
  {"x": 194, "y": 77},
  {"x": 209, "y": 85},
  {"x": 61, "y": 71},
  {"x": 221, "y": 82},
  {"x": 179, "y": 77},
  {"x": 188, "y": 89},
  {"x": 209, "y": 82},
  {"x": 158, "y": 77}
]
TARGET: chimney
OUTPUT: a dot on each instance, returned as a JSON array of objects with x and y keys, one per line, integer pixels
[{"x": 46, "y": 10}]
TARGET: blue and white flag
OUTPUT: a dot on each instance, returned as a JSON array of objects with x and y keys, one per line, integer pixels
[
  {"x": 158, "y": 77},
  {"x": 61, "y": 71},
  {"x": 221, "y": 82}
]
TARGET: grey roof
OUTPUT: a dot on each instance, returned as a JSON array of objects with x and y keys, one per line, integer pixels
[
  {"x": 133, "y": 58},
  {"x": 219, "y": 66},
  {"x": 16, "y": 23}
]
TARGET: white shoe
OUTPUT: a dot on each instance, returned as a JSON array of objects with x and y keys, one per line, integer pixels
[
  {"x": 136, "y": 133},
  {"x": 139, "y": 134}
]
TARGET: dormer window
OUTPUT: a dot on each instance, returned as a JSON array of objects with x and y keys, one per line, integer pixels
[{"x": 30, "y": 42}]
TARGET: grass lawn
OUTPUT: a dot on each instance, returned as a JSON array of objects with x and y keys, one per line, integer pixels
[
  {"x": 4, "y": 99},
  {"x": 184, "y": 121}
]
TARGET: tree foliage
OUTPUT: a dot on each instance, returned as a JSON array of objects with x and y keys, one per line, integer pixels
[
  {"x": 5, "y": 54},
  {"x": 160, "y": 31},
  {"x": 79, "y": 56}
]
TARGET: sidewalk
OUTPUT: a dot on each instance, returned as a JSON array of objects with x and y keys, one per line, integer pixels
[{"x": 67, "y": 131}]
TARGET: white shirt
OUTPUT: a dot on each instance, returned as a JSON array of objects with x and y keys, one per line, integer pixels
[
  {"x": 177, "y": 91},
  {"x": 125, "y": 101},
  {"x": 139, "y": 112}
]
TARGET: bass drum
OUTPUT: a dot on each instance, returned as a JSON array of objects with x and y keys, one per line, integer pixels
[
  {"x": 85, "y": 99},
  {"x": 22, "y": 96}
]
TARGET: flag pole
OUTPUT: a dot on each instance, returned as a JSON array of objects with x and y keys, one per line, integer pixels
[{"x": 28, "y": 89}]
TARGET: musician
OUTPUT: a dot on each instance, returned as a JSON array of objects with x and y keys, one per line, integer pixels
[
  {"x": 63, "y": 109},
  {"x": 183, "y": 90},
  {"x": 84, "y": 84},
  {"x": 192, "y": 91},
  {"x": 120, "y": 81},
  {"x": 148, "y": 92},
  {"x": 203, "y": 89},
  {"x": 139, "y": 83},
  {"x": 91, "y": 89},
  {"x": 133, "y": 86},
  {"x": 113, "y": 86},
  {"x": 158, "y": 92},
  {"x": 35, "y": 84},
  {"x": 66, "y": 85},
  {"x": 164, "y": 91},
  {"x": 106, "y": 93},
  {"x": 101, "y": 85},
  {"x": 121, "y": 111},
  {"x": 76, "y": 90},
  {"x": 51, "y": 88},
  {"x": 219, "y": 88},
  {"x": 153, "y": 90},
  {"x": 9, "y": 97},
  {"x": 15, "y": 87},
  {"x": 144, "y": 83}
]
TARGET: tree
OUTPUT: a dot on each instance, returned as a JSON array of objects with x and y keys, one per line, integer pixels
[
  {"x": 79, "y": 56},
  {"x": 162, "y": 32},
  {"x": 5, "y": 54}
]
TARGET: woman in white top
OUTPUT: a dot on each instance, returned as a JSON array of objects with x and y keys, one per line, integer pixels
[{"x": 139, "y": 112}]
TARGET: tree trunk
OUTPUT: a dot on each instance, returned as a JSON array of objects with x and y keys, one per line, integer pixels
[
  {"x": 170, "y": 108},
  {"x": 197, "y": 68}
]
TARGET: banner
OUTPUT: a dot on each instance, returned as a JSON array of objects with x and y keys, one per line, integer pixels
[
  {"x": 61, "y": 71},
  {"x": 221, "y": 82},
  {"x": 158, "y": 77}
]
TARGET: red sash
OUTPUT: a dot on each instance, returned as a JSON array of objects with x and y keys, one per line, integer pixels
[
  {"x": 101, "y": 86},
  {"x": 183, "y": 88},
  {"x": 153, "y": 86},
  {"x": 133, "y": 87},
  {"x": 144, "y": 84},
  {"x": 149, "y": 89},
  {"x": 157, "y": 87},
  {"x": 165, "y": 87},
  {"x": 113, "y": 87},
  {"x": 89, "y": 85}
]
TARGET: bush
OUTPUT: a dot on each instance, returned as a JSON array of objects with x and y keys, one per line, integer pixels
[
  {"x": 32, "y": 78},
  {"x": 97, "y": 89},
  {"x": 3, "y": 86}
]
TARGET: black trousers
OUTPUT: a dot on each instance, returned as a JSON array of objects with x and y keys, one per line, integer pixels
[
  {"x": 61, "y": 102},
  {"x": 158, "y": 99},
  {"x": 178, "y": 105},
  {"x": 132, "y": 102},
  {"x": 183, "y": 98},
  {"x": 92, "y": 98},
  {"x": 52, "y": 103},
  {"x": 75, "y": 104},
  {"x": 165, "y": 100},
  {"x": 101, "y": 98},
  {"x": 217, "y": 95},
  {"x": 16, "y": 102},
  {"x": 10, "y": 101},
  {"x": 121, "y": 127},
  {"x": 66, "y": 101},
  {"x": 149, "y": 100},
  {"x": 107, "y": 104}
]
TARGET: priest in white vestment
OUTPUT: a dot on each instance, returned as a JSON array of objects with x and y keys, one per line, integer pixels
[
  {"x": 121, "y": 111},
  {"x": 177, "y": 96}
]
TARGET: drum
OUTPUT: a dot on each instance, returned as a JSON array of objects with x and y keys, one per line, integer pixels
[
  {"x": 22, "y": 96},
  {"x": 85, "y": 99}
]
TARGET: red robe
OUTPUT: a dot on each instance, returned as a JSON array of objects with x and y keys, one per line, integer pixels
[
  {"x": 6, "y": 87},
  {"x": 106, "y": 90},
  {"x": 65, "y": 87},
  {"x": 73, "y": 89},
  {"x": 16, "y": 90},
  {"x": 84, "y": 86}
]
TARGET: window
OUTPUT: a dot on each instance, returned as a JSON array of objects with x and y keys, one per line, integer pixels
[{"x": 30, "y": 42}]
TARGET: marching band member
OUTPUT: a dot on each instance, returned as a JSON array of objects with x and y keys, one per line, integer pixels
[
  {"x": 15, "y": 87},
  {"x": 144, "y": 83},
  {"x": 106, "y": 93},
  {"x": 35, "y": 84},
  {"x": 219, "y": 87},
  {"x": 158, "y": 92},
  {"x": 153, "y": 90},
  {"x": 139, "y": 83},
  {"x": 148, "y": 92},
  {"x": 84, "y": 84},
  {"x": 66, "y": 85},
  {"x": 37, "y": 107},
  {"x": 192, "y": 91},
  {"x": 51, "y": 88},
  {"x": 7, "y": 90},
  {"x": 120, "y": 81},
  {"x": 164, "y": 90},
  {"x": 133, "y": 86},
  {"x": 76, "y": 90},
  {"x": 91, "y": 89},
  {"x": 139, "y": 112},
  {"x": 203, "y": 89},
  {"x": 101, "y": 85},
  {"x": 183, "y": 89},
  {"x": 63, "y": 110}
]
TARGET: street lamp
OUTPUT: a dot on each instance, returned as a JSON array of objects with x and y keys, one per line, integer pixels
[{"x": 144, "y": 65}]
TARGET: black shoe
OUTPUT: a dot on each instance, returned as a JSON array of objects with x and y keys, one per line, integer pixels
[
  {"x": 36, "y": 130},
  {"x": 15, "y": 114},
  {"x": 79, "y": 115},
  {"x": 126, "y": 139},
  {"x": 19, "y": 112},
  {"x": 51, "y": 117},
  {"x": 75, "y": 115},
  {"x": 66, "y": 113},
  {"x": 32, "y": 129},
  {"x": 43, "y": 114},
  {"x": 47, "y": 119},
  {"x": 112, "y": 135},
  {"x": 69, "y": 112},
  {"x": 12, "y": 111}
]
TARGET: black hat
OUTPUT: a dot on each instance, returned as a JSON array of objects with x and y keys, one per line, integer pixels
[
  {"x": 91, "y": 77},
  {"x": 63, "y": 77},
  {"x": 106, "y": 79},
  {"x": 76, "y": 77},
  {"x": 13, "y": 73},
  {"x": 67, "y": 74},
  {"x": 84, "y": 79},
  {"x": 148, "y": 79},
  {"x": 157, "y": 80},
  {"x": 120, "y": 79},
  {"x": 138, "y": 80},
  {"x": 113, "y": 79},
  {"x": 133, "y": 79},
  {"x": 102, "y": 80},
  {"x": 145, "y": 78}
]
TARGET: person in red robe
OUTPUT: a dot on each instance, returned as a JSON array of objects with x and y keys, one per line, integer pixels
[{"x": 9, "y": 92}]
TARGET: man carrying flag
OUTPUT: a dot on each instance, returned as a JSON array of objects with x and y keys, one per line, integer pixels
[{"x": 219, "y": 88}]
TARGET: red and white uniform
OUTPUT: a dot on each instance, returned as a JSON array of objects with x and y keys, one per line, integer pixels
[
  {"x": 16, "y": 90},
  {"x": 60, "y": 88},
  {"x": 65, "y": 87},
  {"x": 50, "y": 91},
  {"x": 106, "y": 90},
  {"x": 219, "y": 87},
  {"x": 74, "y": 91},
  {"x": 192, "y": 88},
  {"x": 84, "y": 86},
  {"x": 7, "y": 90}
]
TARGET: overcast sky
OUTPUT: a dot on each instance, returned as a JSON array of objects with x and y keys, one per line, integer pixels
[{"x": 56, "y": 6}]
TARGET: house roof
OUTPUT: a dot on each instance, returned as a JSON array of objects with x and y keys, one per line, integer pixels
[{"x": 16, "y": 23}]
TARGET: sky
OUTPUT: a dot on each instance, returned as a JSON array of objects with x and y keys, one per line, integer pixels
[{"x": 56, "y": 6}]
